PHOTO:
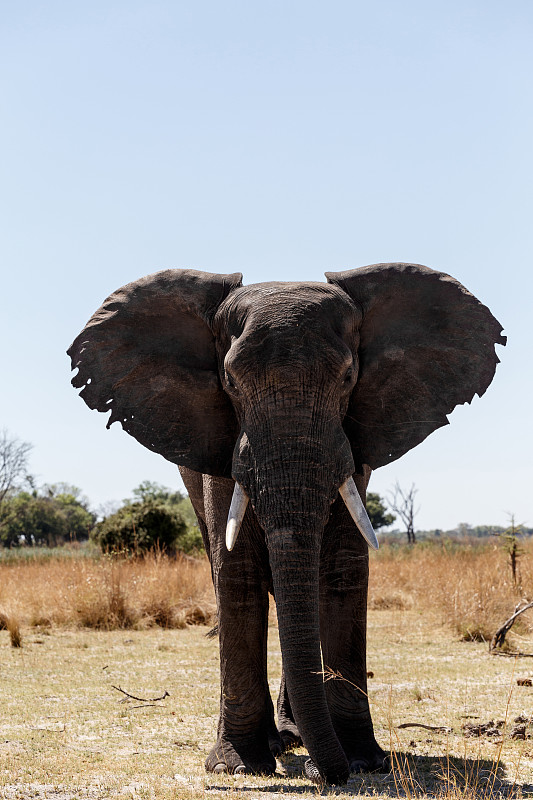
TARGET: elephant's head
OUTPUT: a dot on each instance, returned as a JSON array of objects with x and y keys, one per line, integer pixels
[{"x": 289, "y": 388}]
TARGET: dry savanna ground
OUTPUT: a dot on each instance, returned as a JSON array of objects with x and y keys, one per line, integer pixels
[{"x": 86, "y": 626}]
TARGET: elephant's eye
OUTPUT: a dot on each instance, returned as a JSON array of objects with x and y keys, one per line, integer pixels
[
  {"x": 348, "y": 376},
  {"x": 229, "y": 379}
]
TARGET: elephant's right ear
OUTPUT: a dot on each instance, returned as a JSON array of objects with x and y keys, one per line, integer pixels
[{"x": 148, "y": 356}]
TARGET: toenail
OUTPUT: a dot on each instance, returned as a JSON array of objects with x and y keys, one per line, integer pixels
[
  {"x": 312, "y": 771},
  {"x": 240, "y": 769},
  {"x": 220, "y": 768}
]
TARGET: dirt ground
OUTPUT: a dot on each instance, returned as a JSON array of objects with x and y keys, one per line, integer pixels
[{"x": 65, "y": 732}]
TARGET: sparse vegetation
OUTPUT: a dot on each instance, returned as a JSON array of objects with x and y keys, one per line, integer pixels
[
  {"x": 469, "y": 588},
  {"x": 510, "y": 540},
  {"x": 10, "y": 624},
  {"x": 462, "y": 534}
]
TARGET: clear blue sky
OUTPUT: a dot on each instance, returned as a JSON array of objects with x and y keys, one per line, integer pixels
[{"x": 281, "y": 139}]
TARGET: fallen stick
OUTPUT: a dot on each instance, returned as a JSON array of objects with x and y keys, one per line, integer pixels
[
  {"x": 141, "y": 699},
  {"x": 499, "y": 637},
  {"x": 435, "y": 728}
]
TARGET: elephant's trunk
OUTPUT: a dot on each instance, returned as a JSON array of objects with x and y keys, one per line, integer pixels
[
  {"x": 295, "y": 567},
  {"x": 290, "y": 465}
]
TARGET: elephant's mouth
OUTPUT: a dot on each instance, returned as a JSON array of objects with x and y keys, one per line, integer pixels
[{"x": 348, "y": 492}]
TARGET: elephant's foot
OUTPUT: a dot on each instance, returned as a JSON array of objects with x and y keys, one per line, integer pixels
[
  {"x": 377, "y": 763},
  {"x": 312, "y": 772},
  {"x": 241, "y": 755},
  {"x": 288, "y": 730},
  {"x": 365, "y": 755},
  {"x": 289, "y": 734},
  {"x": 275, "y": 742},
  {"x": 364, "y": 761}
]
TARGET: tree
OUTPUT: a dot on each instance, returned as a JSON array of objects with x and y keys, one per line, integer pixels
[
  {"x": 43, "y": 518},
  {"x": 13, "y": 464},
  {"x": 377, "y": 511},
  {"x": 151, "y": 492},
  {"x": 403, "y": 503},
  {"x": 74, "y": 507},
  {"x": 156, "y": 517},
  {"x": 139, "y": 527},
  {"x": 511, "y": 546},
  {"x": 464, "y": 530}
]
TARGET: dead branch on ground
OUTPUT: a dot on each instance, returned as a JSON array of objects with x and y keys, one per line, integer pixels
[
  {"x": 499, "y": 637},
  {"x": 141, "y": 699},
  {"x": 435, "y": 728}
]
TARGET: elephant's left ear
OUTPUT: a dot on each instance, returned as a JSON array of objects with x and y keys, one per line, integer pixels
[
  {"x": 427, "y": 345},
  {"x": 148, "y": 356}
]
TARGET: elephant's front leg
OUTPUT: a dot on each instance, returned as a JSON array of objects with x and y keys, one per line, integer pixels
[
  {"x": 241, "y": 580},
  {"x": 246, "y": 726},
  {"x": 343, "y": 601}
]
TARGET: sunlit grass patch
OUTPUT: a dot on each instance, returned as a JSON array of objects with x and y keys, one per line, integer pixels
[
  {"x": 109, "y": 593},
  {"x": 63, "y": 725}
]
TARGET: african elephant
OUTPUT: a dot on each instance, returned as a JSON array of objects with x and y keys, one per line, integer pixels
[{"x": 275, "y": 395}]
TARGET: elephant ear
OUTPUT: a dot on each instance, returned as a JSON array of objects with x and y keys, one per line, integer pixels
[
  {"x": 148, "y": 356},
  {"x": 427, "y": 345}
]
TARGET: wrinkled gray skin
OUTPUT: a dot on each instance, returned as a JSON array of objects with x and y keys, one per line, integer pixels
[{"x": 287, "y": 389}]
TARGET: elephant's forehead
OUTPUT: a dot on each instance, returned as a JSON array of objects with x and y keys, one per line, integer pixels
[
  {"x": 292, "y": 325},
  {"x": 288, "y": 304}
]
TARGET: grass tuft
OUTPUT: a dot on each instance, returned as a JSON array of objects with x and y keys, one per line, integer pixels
[
  {"x": 386, "y": 601},
  {"x": 9, "y": 623}
]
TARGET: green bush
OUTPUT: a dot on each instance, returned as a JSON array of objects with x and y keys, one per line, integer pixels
[{"x": 139, "y": 527}]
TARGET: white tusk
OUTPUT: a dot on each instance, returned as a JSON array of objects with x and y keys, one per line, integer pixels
[
  {"x": 354, "y": 504},
  {"x": 237, "y": 509}
]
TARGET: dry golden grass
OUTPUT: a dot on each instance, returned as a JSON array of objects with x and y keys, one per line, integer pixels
[
  {"x": 11, "y": 624},
  {"x": 108, "y": 593},
  {"x": 470, "y": 587}
]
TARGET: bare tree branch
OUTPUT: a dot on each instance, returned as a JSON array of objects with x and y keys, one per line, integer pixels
[
  {"x": 403, "y": 503},
  {"x": 13, "y": 463},
  {"x": 499, "y": 637}
]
